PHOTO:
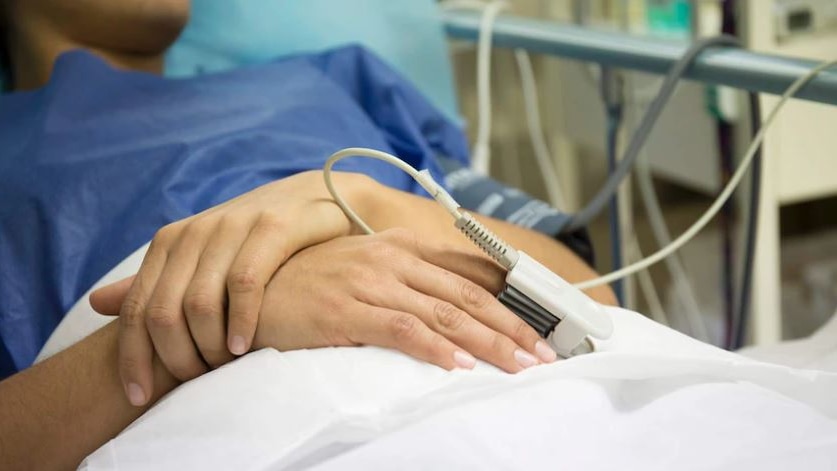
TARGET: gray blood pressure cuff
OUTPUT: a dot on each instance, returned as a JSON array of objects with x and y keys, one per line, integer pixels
[{"x": 489, "y": 197}]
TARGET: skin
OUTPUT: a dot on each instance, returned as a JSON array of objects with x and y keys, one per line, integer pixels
[
  {"x": 60, "y": 410},
  {"x": 129, "y": 34},
  {"x": 220, "y": 262}
]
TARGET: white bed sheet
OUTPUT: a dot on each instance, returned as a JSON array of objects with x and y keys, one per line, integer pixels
[
  {"x": 650, "y": 398},
  {"x": 815, "y": 352}
]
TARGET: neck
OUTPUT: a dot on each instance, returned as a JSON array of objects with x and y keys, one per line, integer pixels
[{"x": 33, "y": 52}]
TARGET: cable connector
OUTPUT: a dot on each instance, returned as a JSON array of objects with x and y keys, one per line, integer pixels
[
  {"x": 489, "y": 242},
  {"x": 559, "y": 311},
  {"x": 425, "y": 179},
  {"x": 556, "y": 309}
]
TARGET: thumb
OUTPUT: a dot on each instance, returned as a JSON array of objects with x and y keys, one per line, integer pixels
[{"x": 107, "y": 300}]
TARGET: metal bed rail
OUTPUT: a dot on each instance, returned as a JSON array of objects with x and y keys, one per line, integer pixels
[{"x": 738, "y": 68}]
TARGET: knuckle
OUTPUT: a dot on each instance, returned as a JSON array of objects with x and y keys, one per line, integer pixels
[
  {"x": 498, "y": 342},
  {"x": 227, "y": 222},
  {"x": 473, "y": 296},
  {"x": 129, "y": 365},
  {"x": 362, "y": 275},
  {"x": 271, "y": 222},
  {"x": 160, "y": 317},
  {"x": 448, "y": 316},
  {"x": 131, "y": 313},
  {"x": 165, "y": 235},
  {"x": 243, "y": 281},
  {"x": 404, "y": 327},
  {"x": 521, "y": 330},
  {"x": 200, "y": 305},
  {"x": 192, "y": 229}
]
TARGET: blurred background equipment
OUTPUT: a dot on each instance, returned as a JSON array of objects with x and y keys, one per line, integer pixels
[{"x": 687, "y": 158}]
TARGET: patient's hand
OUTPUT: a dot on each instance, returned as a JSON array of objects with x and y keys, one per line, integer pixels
[
  {"x": 393, "y": 290},
  {"x": 215, "y": 263}
]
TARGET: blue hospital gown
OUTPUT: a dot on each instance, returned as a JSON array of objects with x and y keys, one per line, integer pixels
[{"x": 92, "y": 164}]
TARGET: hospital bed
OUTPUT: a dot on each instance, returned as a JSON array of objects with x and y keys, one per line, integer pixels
[
  {"x": 648, "y": 398},
  {"x": 736, "y": 68},
  {"x": 216, "y": 41}
]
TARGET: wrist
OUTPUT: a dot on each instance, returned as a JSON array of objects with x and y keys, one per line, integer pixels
[{"x": 361, "y": 192}]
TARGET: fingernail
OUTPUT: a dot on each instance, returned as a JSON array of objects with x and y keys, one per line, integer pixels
[
  {"x": 464, "y": 360},
  {"x": 237, "y": 345},
  {"x": 525, "y": 359},
  {"x": 135, "y": 394},
  {"x": 546, "y": 354}
]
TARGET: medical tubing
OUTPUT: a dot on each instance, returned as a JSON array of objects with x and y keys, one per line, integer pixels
[
  {"x": 722, "y": 198},
  {"x": 482, "y": 149},
  {"x": 423, "y": 178},
  {"x": 659, "y": 229},
  {"x": 724, "y": 133},
  {"x": 746, "y": 287},
  {"x": 614, "y": 219},
  {"x": 646, "y": 284},
  {"x": 481, "y": 153},
  {"x": 543, "y": 156},
  {"x": 682, "y": 286},
  {"x": 586, "y": 215},
  {"x": 480, "y": 235},
  {"x": 612, "y": 95}
]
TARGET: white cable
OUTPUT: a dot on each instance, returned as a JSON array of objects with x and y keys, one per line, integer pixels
[
  {"x": 422, "y": 177},
  {"x": 481, "y": 153},
  {"x": 646, "y": 284},
  {"x": 563, "y": 315},
  {"x": 533, "y": 118},
  {"x": 481, "y": 159},
  {"x": 674, "y": 264},
  {"x": 477, "y": 230},
  {"x": 483, "y": 237},
  {"x": 722, "y": 198}
]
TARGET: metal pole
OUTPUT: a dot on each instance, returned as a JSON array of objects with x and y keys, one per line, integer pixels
[{"x": 738, "y": 68}]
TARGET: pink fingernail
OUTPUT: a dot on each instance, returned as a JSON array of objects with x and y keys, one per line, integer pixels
[
  {"x": 546, "y": 354},
  {"x": 237, "y": 346},
  {"x": 136, "y": 395},
  {"x": 525, "y": 359},
  {"x": 464, "y": 360}
]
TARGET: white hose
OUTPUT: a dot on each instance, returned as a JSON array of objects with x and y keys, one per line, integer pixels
[
  {"x": 722, "y": 198},
  {"x": 646, "y": 284},
  {"x": 533, "y": 118}
]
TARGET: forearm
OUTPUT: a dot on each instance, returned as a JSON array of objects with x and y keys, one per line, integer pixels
[
  {"x": 388, "y": 208},
  {"x": 59, "y": 411}
]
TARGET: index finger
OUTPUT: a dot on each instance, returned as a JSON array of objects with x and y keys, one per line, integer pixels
[{"x": 135, "y": 349}]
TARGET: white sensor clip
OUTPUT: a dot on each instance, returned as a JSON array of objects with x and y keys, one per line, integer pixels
[{"x": 559, "y": 311}]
